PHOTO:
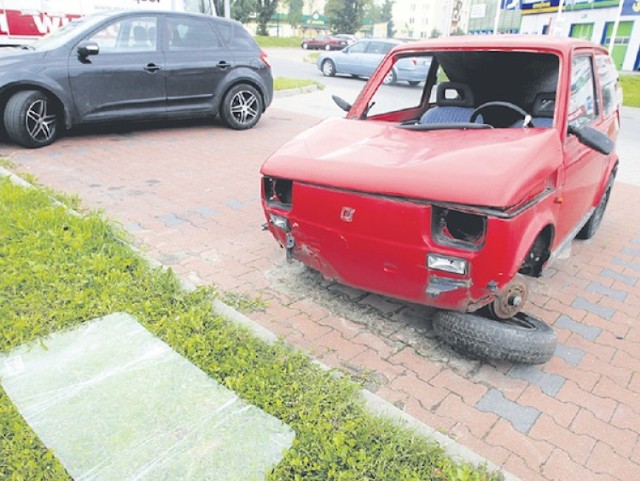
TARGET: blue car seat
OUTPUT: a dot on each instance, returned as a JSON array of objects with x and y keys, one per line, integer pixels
[
  {"x": 542, "y": 110},
  {"x": 454, "y": 104}
]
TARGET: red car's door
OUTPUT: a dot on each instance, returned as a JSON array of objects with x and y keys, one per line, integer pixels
[{"x": 584, "y": 168}]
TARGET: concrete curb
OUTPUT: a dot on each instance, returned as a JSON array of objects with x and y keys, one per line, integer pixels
[
  {"x": 374, "y": 403},
  {"x": 291, "y": 92}
]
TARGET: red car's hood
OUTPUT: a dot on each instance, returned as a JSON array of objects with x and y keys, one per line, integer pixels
[{"x": 484, "y": 167}]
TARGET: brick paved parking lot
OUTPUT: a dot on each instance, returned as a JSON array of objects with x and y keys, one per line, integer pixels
[{"x": 189, "y": 195}]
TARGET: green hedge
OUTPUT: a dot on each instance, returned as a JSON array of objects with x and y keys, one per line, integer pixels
[
  {"x": 269, "y": 42},
  {"x": 631, "y": 90}
]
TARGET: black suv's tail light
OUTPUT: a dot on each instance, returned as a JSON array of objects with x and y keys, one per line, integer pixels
[
  {"x": 265, "y": 58},
  {"x": 278, "y": 192}
]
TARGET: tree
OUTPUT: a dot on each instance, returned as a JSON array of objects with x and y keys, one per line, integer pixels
[
  {"x": 294, "y": 16},
  {"x": 435, "y": 33},
  {"x": 265, "y": 10},
  {"x": 345, "y": 16},
  {"x": 373, "y": 11},
  {"x": 242, "y": 10},
  {"x": 381, "y": 14}
]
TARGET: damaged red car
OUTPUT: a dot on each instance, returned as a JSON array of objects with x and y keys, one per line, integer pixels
[{"x": 453, "y": 195}]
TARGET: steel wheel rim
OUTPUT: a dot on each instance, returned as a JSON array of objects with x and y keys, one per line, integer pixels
[
  {"x": 327, "y": 68},
  {"x": 244, "y": 107},
  {"x": 389, "y": 78},
  {"x": 41, "y": 125}
]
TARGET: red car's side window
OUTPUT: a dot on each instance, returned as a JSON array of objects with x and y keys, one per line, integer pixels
[
  {"x": 583, "y": 101},
  {"x": 609, "y": 83}
]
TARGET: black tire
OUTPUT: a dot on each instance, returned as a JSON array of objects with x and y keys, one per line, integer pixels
[
  {"x": 522, "y": 339},
  {"x": 305, "y": 45},
  {"x": 241, "y": 107},
  {"x": 390, "y": 79},
  {"x": 327, "y": 47},
  {"x": 328, "y": 68},
  {"x": 592, "y": 225},
  {"x": 31, "y": 119},
  {"x": 413, "y": 83}
]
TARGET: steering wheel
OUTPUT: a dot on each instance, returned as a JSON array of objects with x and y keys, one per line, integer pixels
[{"x": 526, "y": 117}]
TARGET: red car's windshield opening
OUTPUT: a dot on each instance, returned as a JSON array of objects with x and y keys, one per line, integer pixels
[{"x": 502, "y": 89}]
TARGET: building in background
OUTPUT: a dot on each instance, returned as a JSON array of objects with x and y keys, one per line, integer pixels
[
  {"x": 420, "y": 19},
  {"x": 482, "y": 16},
  {"x": 589, "y": 19}
]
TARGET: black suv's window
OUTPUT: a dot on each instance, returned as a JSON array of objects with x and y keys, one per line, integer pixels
[
  {"x": 583, "y": 104},
  {"x": 241, "y": 39},
  {"x": 191, "y": 34},
  {"x": 131, "y": 34}
]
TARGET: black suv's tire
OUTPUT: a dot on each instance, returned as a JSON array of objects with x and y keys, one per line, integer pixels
[
  {"x": 592, "y": 225},
  {"x": 241, "y": 107},
  {"x": 522, "y": 339},
  {"x": 30, "y": 119}
]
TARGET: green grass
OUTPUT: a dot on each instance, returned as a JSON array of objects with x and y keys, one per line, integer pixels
[
  {"x": 279, "y": 41},
  {"x": 312, "y": 57},
  {"x": 58, "y": 270},
  {"x": 630, "y": 90},
  {"x": 281, "y": 83}
]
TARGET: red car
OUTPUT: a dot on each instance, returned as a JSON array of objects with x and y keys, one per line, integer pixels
[
  {"x": 324, "y": 42},
  {"x": 452, "y": 196}
]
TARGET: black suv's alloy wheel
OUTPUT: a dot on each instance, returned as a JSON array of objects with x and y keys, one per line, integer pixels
[
  {"x": 30, "y": 119},
  {"x": 241, "y": 107}
]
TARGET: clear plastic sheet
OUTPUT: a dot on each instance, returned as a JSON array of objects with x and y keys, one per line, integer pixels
[{"x": 115, "y": 403}]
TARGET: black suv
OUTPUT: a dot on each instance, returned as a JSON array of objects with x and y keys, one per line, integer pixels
[{"x": 133, "y": 66}]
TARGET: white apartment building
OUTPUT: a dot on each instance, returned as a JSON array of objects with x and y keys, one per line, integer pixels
[{"x": 421, "y": 18}]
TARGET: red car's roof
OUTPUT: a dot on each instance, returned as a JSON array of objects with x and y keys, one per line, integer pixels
[{"x": 502, "y": 42}]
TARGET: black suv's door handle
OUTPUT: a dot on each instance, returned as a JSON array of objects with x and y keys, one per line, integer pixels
[
  {"x": 152, "y": 67},
  {"x": 223, "y": 65}
]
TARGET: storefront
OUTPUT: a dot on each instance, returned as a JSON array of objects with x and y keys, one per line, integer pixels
[{"x": 590, "y": 19}]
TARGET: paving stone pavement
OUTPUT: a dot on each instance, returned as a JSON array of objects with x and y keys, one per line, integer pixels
[{"x": 189, "y": 195}]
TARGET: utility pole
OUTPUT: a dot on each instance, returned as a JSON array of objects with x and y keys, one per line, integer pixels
[
  {"x": 496, "y": 25},
  {"x": 614, "y": 32}
]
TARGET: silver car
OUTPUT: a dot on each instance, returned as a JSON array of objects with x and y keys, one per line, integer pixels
[{"x": 363, "y": 57}]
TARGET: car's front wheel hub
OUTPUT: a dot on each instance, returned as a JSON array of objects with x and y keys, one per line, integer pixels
[{"x": 511, "y": 300}]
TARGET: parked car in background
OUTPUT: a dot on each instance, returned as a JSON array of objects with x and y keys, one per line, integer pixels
[
  {"x": 133, "y": 66},
  {"x": 362, "y": 58},
  {"x": 458, "y": 201},
  {"x": 347, "y": 38},
  {"x": 324, "y": 42}
]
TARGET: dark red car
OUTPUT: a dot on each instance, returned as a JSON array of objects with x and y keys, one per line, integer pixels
[
  {"x": 454, "y": 195},
  {"x": 324, "y": 42}
]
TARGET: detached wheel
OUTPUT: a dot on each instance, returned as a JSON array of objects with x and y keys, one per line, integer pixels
[
  {"x": 241, "y": 107},
  {"x": 30, "y": 119},
  {"x": 521, "y": 339},
  {"x": 592, "y": 225},
  {"x": 328, "y": 68}
]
